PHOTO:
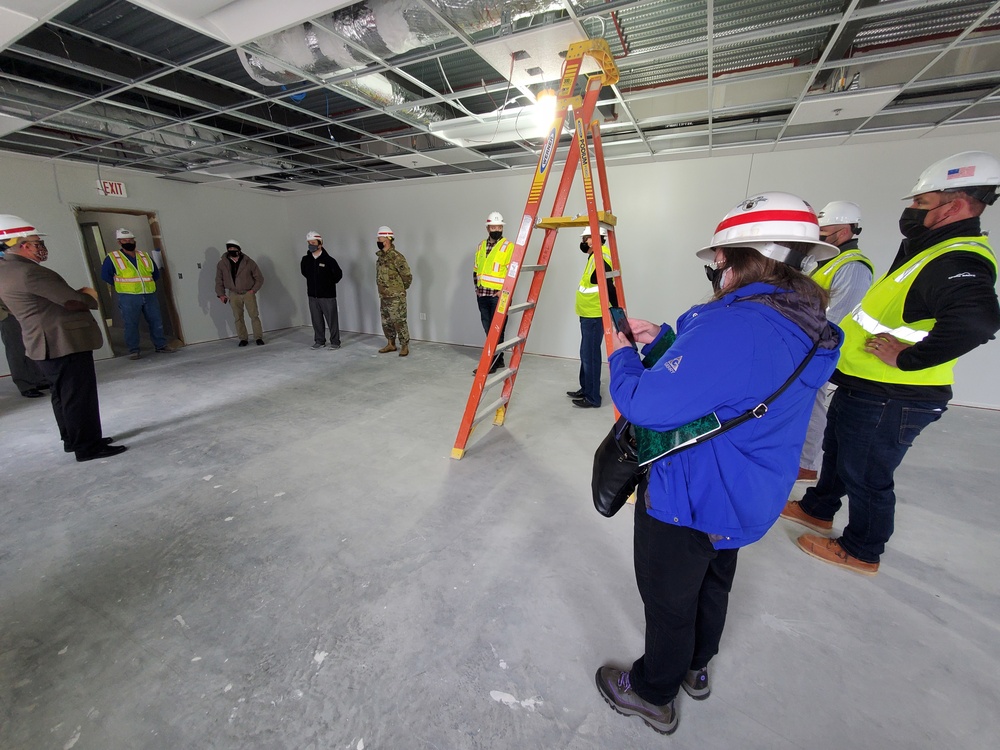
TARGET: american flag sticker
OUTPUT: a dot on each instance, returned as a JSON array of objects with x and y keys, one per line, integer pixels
[{"x": 961, "y": 172}]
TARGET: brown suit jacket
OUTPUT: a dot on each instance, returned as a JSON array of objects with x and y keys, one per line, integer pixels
[{"x": 36, "y": 295}]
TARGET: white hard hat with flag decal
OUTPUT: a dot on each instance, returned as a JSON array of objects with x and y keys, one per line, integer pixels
[{"x": 974, "y": 172}]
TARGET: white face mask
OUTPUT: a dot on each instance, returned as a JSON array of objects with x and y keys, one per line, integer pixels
[{"x": 727, "y": 276}]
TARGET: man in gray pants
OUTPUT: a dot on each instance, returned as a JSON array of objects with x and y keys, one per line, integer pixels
[{"x": 322, "y": 273}]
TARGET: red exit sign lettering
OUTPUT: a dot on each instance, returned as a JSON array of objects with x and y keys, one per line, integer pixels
[{"x": 111, "y": 188}]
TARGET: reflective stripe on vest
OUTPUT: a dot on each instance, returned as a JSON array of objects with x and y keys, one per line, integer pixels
[
  {"x": 588, "y": 297},
  {"x": 824, "y": 276},
  {"x": 131, "y": 279},
  {"x": 881, "y": 311},
  {"x": 492, "y": 268}
]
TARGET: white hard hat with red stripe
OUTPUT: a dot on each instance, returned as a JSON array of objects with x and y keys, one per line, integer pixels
[
  {"x": 385, "y": 231},
  {"x": 974, "y": 172},
  {"x": 310, "y": 236},
  {"x": 770, "y": 223},
  {"x": 14, "y": 226}
]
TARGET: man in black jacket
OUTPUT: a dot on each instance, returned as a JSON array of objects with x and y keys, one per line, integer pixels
[
  {"x": 936, "y": 303},
  {"x": 322, "y": 274}
]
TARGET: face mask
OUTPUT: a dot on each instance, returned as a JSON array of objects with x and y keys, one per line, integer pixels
[
  {"x": 911, "y": 222},
  {"x": 381, "y": 245},
  {"x": 584, "y": 247},
  {"x": 717, "y": 276},
  {"x": 130, "y": 246},
  {"x": 234, "y": 253},
  {"x": 496, "y": 235}
]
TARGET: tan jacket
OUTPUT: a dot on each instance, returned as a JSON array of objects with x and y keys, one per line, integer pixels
[
  {"x": 35, "y": 296},
  {"x": 248, "y": 277}
]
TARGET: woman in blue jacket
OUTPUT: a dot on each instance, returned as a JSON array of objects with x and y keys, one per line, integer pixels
[{"x": 696, "y": 508}]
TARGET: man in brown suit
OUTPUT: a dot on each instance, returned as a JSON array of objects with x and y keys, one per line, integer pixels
[
  {"x": 59, "y": 334},
  {"x": 237, "y": 274}
]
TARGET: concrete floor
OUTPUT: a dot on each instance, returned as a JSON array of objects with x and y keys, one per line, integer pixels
[{"x": 288, "y": 558}]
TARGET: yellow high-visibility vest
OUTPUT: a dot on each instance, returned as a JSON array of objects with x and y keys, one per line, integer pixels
[
  {"x": 881, "y": 311},
  {"x": 133, "y": 279},
  {"x": 491, "y": 268},
  {"x": 824, "y": 275},
  {"x": 588, "y": 296}
]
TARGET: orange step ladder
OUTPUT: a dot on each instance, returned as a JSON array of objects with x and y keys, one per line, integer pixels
[{"x": 601, "y": 219}]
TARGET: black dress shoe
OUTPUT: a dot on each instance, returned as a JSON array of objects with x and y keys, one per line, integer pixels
[
  {"x": 32, "y": 393},
  {"x": 582, "y": 403},
  {"x": 575, "y": 394},
  {"x": 243, "y": 343},
  {"x": 43, "y": 387},
  {"x": 105, "y": 441},
  {"x": 260, "y": 342},
  {"x": 106, "y": 452}
]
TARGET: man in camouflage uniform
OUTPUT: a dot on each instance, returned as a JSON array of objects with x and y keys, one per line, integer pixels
[{"x": 393, "y": 277}]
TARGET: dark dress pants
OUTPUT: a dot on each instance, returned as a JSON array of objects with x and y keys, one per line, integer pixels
[
  {"x": 684, "y": 583},
  {"x": 74, "y": 400},
  {"x": 23, "y": 371},
  {"x": 487, "y": 308},
  {"x": 323, "y": 311}
]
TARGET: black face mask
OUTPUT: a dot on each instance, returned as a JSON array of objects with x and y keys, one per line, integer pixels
[
  {"x": 130, "y": 246},
  {"x": 911, "y": 222},
  {"x": 234, "y": 253},
  {"x": 496, "y": 235},
  {"x": 381, "y": 245},
  {"x": 715, "y": 276},
  {"x": 584, "y": 247}
]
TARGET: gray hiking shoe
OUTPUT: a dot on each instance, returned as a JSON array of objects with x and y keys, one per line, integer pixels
[
  {"x": 616, "y": 687},
  {"x": 696, "y": 684}
]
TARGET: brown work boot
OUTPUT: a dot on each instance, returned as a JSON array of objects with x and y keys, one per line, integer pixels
[
  {"x": 390, "y": 346},
  {"x": 404, "y": 349},
  {"x": 807, "y": 475},
  {"x": 830, "y": 551},
  {"x": 793, "y": 512}
]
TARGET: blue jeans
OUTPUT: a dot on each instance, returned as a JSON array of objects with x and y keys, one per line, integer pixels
[
  {"x": 865, "y": 440},
  {"x": 487, "y": 309},
  {"x": 591, "y": 336},
  {"x": 134, "y": 305}
]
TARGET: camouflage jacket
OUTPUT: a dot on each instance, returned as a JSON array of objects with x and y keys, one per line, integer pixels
[{"x": 392, "y": 274}]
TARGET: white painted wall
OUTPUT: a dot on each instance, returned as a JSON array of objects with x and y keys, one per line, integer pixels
[{"x": 666, "y": 211}]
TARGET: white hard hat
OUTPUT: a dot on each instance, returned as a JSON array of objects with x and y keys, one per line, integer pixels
[
  {"x": 14, "y": 226},
  {"x": 124, "y": 234},
  {"x": 313, "y": 236},
  {"x": 234, "y": 243},
  {"x": 586, "y": 231},
  {"x": 385, "y": 231},
  {"x": 494, "y": 218},
  {"x": 768, "y": 223},
  {"x": 964, "y": 171},
  {"x": 839, "y": 212}
]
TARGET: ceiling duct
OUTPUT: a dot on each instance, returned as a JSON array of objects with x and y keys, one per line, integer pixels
[{"x": 384, "y": 28}]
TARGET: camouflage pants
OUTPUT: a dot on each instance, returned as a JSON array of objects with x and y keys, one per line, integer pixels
[{"x": 394, "y": 318}]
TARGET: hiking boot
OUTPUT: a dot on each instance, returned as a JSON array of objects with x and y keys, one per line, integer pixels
[
  {"x": 616, "y": 688},
  {"x": 807, "y": 475},
  {"x": 696, "y": 684},
  {"x": 793, "y": 512},
  {"x": 404, "y": 350},
  {"x": 390, "y": 346},
  {"x": 830, "y": 551}
]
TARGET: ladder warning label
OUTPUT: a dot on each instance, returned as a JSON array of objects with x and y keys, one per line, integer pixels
[
  {"x": 522, "y": 232},
  {"x": 502, "y": 304}
]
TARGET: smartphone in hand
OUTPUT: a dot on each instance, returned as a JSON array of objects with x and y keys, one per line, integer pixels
[{"x": 620, "y": 321}]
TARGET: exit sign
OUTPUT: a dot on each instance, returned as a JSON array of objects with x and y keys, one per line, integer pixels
[{"x": 110, "y": 188}]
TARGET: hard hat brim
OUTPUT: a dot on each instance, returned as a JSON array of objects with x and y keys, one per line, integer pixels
[{"x": 820, "y": 250}]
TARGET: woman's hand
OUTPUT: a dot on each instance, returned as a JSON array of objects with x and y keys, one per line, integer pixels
[
  {"x": 643, "y": 331},
  {"x": 621, "y": 341}
]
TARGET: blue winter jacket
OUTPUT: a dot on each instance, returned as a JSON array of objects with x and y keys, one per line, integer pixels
[{"x": 730, "y": 354}]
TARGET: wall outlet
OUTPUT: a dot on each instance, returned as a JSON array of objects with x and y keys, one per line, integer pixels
[
  {"x": 180, "y": 276},
  {"x": 423, "y": 316},
  {"x": 199, "y": 265}
]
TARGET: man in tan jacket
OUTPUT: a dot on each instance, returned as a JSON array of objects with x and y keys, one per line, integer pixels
[
  {"x": 59, "y": 334},
  {"x": 238, "y": 275}
]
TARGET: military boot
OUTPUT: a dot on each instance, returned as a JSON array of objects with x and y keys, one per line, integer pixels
[
  {"x": 390, "y": 346},
  {"x": 404, "y": 349}
]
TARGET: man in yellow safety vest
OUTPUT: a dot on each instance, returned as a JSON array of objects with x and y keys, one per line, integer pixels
[
  {"x": 133, "y": 274},
  {"x": 588, "y": 307},
  {"x": 492, "y": 257},
  {"x": 937, "y": 302},
  {"x": 846, "y": 277}
]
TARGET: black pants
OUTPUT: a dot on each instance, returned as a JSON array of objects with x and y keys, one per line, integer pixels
[
  {"x": 684, "y": 583},
  {"x": 487, "y": 308},
  {"x": 74, "y": 400},
  {"x": 23, "y": 371}
]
